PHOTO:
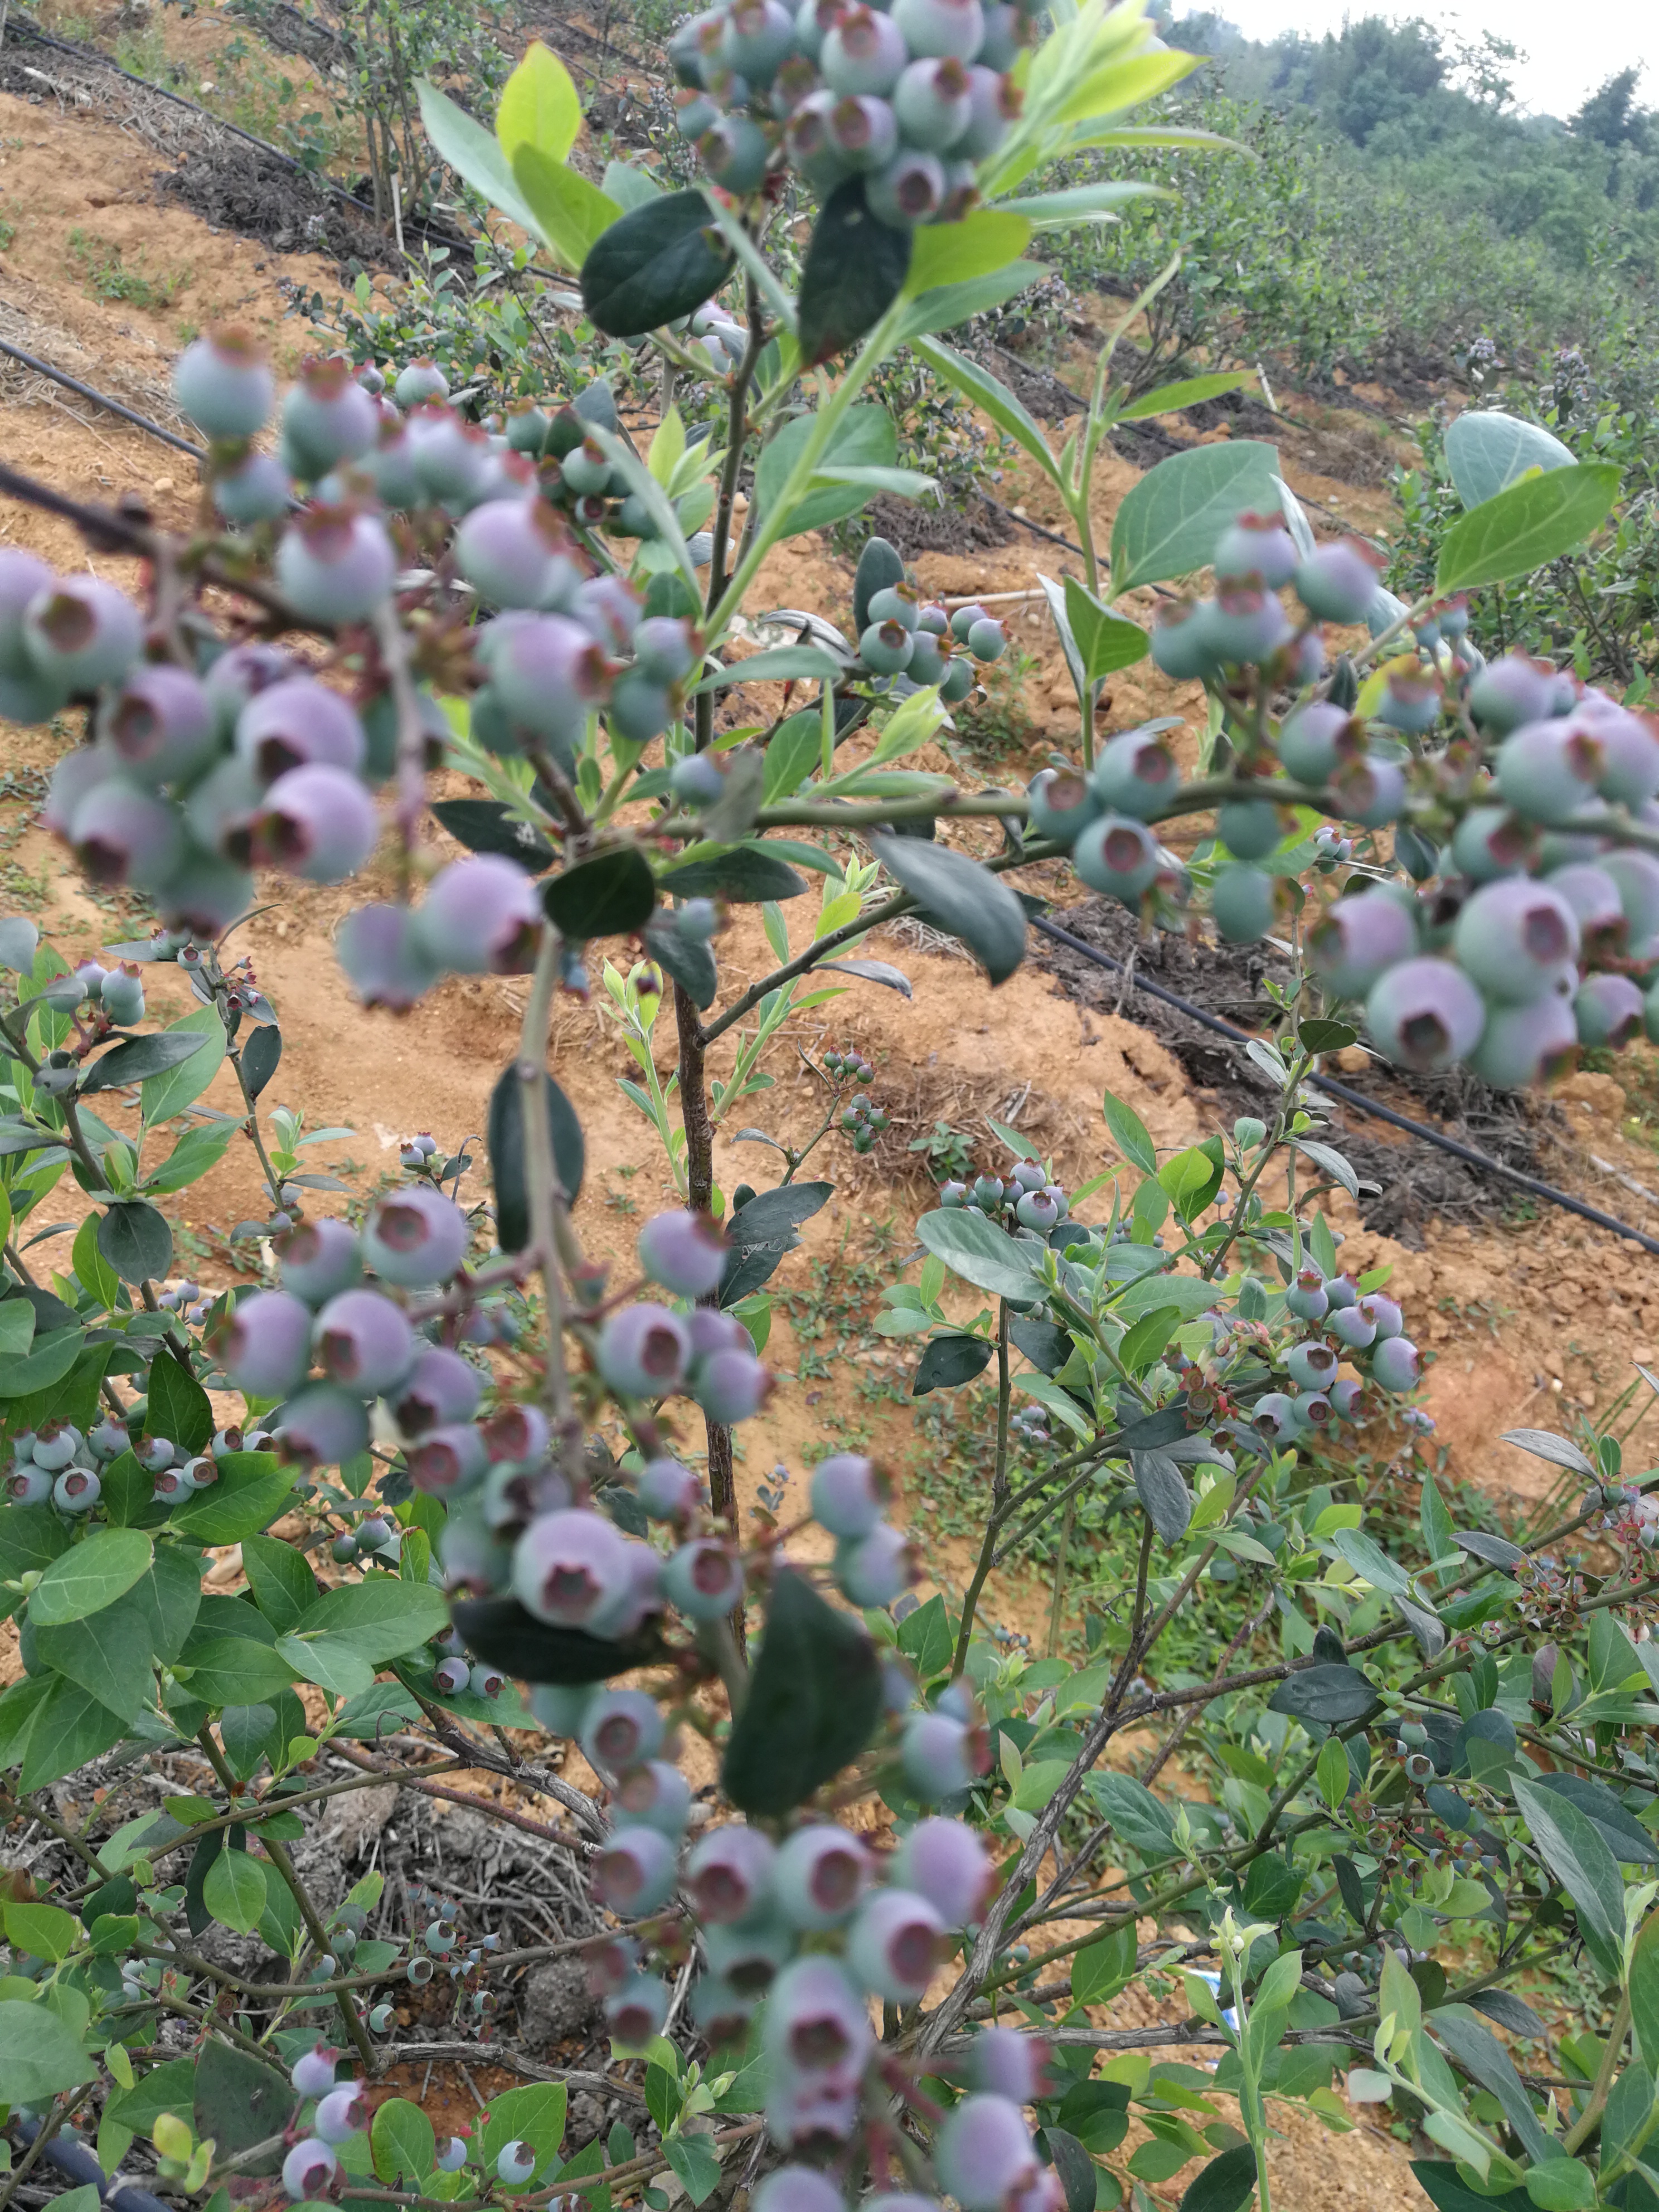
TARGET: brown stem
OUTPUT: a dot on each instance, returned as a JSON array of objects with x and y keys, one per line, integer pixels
[{"x": 998, "y": 1495}]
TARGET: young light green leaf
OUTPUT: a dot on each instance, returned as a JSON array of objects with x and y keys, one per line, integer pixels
[
  {"x": 1130, "y": 1135},
  {"x": 993, "y": 398},
  {"x": 1170, "y": 398},
  {"x": 571, "y": 214},
  {"x": 957, "y": 253},
  {"x": 1533, "y": 523},
  {"x": 235, "y": 1890},
  {"x": 476, "y": 155},
  {"x": 538, "y": 106}
]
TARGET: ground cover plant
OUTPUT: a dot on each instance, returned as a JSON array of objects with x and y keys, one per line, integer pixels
[{"x": 1424, "y": 1749}]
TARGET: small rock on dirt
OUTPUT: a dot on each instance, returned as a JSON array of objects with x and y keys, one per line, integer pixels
[
  {"x": 353, "y": 1822},
  {"x": 554, "y": 2002}
]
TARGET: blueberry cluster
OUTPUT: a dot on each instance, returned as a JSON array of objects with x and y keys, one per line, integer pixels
[
  {"x": 1341, "y": 1325},
  {"x": 1028, "y": 1197},
  {"x": 910, "y": 98},
  {"x": 59, "y": 1464},
  {"x": 906, "y": 635}
]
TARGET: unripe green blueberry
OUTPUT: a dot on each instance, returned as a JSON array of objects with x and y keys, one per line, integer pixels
[
  {"x": 619, "y": 1728},
  {"x": 336, "y": 566},
  {"x": 944, "y": 29},
  {"x": 848, "y": 1494},
  {"x": 1257, "y": 545},
  {"x": 1629, "y": 748},
  {"x": 988, "y": 640},
  {"x": 1607, "y": 1011},
  {"x": 1135, "y": 774},
  {"x": 1514, "y": 939},
  {"x": 80, "y": 633},
  {"x": 735, "y": 152},
  {"x": 756, "y": 38},
  {"x": 886, "y": 648},
  {"x": 223, "y": 384},
  {"x": 1004, "y": 35},
  {"x": 389, "y": 467},
  {"x": 638, "y": 709},
  {"x": 1248, "y": 828},
  {"x": 898, "y": 603},
  {"x": 1411, "y": 702},
  {"x": 1358, "y": 940},
  {"x": 1636, "y": 875},
  {"x": 635, "y": 1873},
  {"x": 420, "y": 384},
  {"x": 932, "y": 105},
  {"x": 957, "y": 682},
  {"x": 1118, "y": 857},
  {"x": 698, "y": 781},
  {"x": 1181, "y": 646},
  {"x": 809, "y": 146},
  {"x": 908, "y": 190},
  {"x": 1311, "y": 1366},
  {"x": 703, "y": 1579},
  {"x": 865, "y": 51},
  {"x": 928, "y": 663},
  {"x": 1424, "y": 1014},
  {"x": 328, "y": 418},
  {"x": 666, "y": 648},
  {"x": 256, "y": 489},
  {"x": 1243, "y": 900},
  {"x": 1306, "y": 1297},
  {"x": 1062, "y": 803},
  {"x": 1337, "y": 583}
]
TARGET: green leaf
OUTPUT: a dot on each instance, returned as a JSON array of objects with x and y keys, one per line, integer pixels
[
  {"x": 791, "y": 755},
  {"x": 234, "y": 1670},
  {"x": 1100, "y": 1969},
  {"x": 612, "y": 894},
  {"x": 502, "y": 1632},
  {"x": 1226, "y": 2184},
  {"x": 1130, "y": 1135},
  {"x": 1105, "y": 642},
  {"x": 283, "y": 1586},
  {"x": 196, "y": 1151},
  {"x": 856, "y": 269},
  {"x": 747, "y": 875},
  {"x": 135, "y": 1241},
  {"x": 381, "y": 1617},
  {"x": 1644, "y": 1990},
  {"x": 950, "y": 1361},
  {"x": 1573, "y": 1848},
  {"x": 980, "y": 1253},
  {"x": 1562, "y": 2186},
  {"x": 1522, "y": 529},
  {"x": 141, "y": 1056},
  {"x": 1159, "y": 1484},
  {"x": 1487, "y": 450},
  {"x": 235, "y": 1890},
  {"x": 1367, "y": 1557},
  {"x": 16, "y": 1328},
  {"x": 779, "y": 664},
  {"x": 695, "y": 2165},
  {"x": 1167, "y": 525},
  {"x": 178, "y": 1408},
  {"x": 628, "y": 185},
  {"x": 68, "y": 1728},
  {"x": 1134, "y": 1811},
  {"x": 248, "y": 1496},
  {"x": 1170, "y": 398},
  {"x": 864, "y": 437},
  {"x": 959, "y": 896},
  {"x": 992, "y": 398},
  {"x": 240, "y": 2101},
  {"x": 952, "y": 304},
  {"x": 957, "y": 253},
  {"x": 485, "y": 826},
  {"x": 39, "y": 2056},
  {"x": 504, "y": 1140},
  {"x": 169, "y": 2087},
  {"x": 475, "y": 154},
  {"x": 47, "y": 1930},
  {"x": 110, "y": 1655},
  {"x": 51, "y": 1361},
  {"x": 1328, "y": 1695},
  {"x": 90, "y": 1575},
  {"x": 1144, "y": 1342},
  {"x": 402, "y": 2144},
  {"x": 91, "y": 1271},
  {"x": 538, "y": 106},
  {"x": 167, "y": 1094},
  {"x": 1075, "y": 204},
  {"x": 571, "y": 214},
  {"x": 814, "y": 1700},
  {"x": 1446, "y": 2189},
  {"x": 534, "y": 2114},
  {"x": 660, "y": 261}
]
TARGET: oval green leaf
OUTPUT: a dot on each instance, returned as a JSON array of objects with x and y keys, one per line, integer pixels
[
  {"x": 958, "y": 896},
  {"x": 1488, "y": 450},
  {"x": 660, "y": 261},
  {"x": 1533, "y": 523},
  {"x": 1168, "y": 522},
  {"x": 856, "y": 269},
  {"x": 90, "y": 1575}
]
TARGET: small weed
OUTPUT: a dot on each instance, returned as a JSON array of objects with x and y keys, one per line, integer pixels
[
  {"x": 950, "y": 1152},
  {"x": 995, "y": 721},
  {"x": 107, "y": 275},
  {"x": 7, "y": 231}
]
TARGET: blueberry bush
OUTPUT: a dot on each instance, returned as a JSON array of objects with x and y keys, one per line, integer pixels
[{"x": 1425, "y": 1764}]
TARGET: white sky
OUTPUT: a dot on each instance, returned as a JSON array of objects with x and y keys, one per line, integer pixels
[{"x": 1569, "y": 50}]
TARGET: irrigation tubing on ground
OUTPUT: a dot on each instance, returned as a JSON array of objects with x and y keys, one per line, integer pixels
[
  {"x": 1356, "y": 1098},
  {"x": 102, "y": 399}
]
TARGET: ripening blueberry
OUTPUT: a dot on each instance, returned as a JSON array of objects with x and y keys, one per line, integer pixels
[
  {"x": 908, "y": 190},
  {"x": 315, "y": 821},
  {"x": 1306, "y": 1297},
  {"x": 1337, "y": 583},
  {"x": 452, "y": 461},
  {"x": 816, "y": 2021},
  {"x": 1315, "y": 739},
  {"x": 342, "y": 2114},
  {"x": 636, "y": 2012},
  {"x": 635, "y": 1873},
  {"x": 1310, "y": 1366},
  {"x": 80, "y": 633},
  {"x": 515, "y": 552},
  {"x": 865, "y": 51},
  {"x": 893, "y": 1945},
  {"x": 945, "y": 1862},
  {"x": 620, "y": 1729},
  {"x": 336, "y": 566},
  {"x": 264, "y": 1344},
  {"x": 1426, "y": 1015},
  {"x": 847, "y": 1494},
  {"x": 1273, "y": 1417},
  {"x": 1062, "y": 803},
  {"x": 1346, "y": 1397},
  {"x": 1593, "y": 894},
  {"x": 1629, "y": 748},
  {"x": 420, "y": 384},
  {"x": 29, "y": 1485},
  {"x": 365, "y": 1342},
  {"x": 55, "y": 1446},
  {"x": 327, "y": 416},
  {"x": 1371, "y": 790},
  {"x": 812, "y": 2112},
  {"x": 644, "y": 1351},
  {"x": 571, "y": 1568},
  {"x": 886, "y": 648},
  {"x": 160, "y": 723},
  {"x": 323, "y": 1427},
  {"x": 256, "y": 489},
  {"x": 1003, "y": 2063},
  {"x": 223, "y": 384},
  {"x": 1313, "y": 1410},
  {"x": 941, "y": 1755},
  {"x": 450, "y": 2155},
  {"x": 1512, "y": 691},
  {"x": 440, "y": 1387},
  {"x": 797, "y": 2189},
  {"x": 1548, "y": 770},
  {"x": 731, "y": 1385},
  {"x": 1243, "y": 902},
  {"x": 864, "y": 134},
  {"x": 930, "y": 102},
  {"x": 313, "y": 2073},
  {"x": 1411, "y": 702},
  {"x": 448, "y": 1457},
  {"x": 1514, "y": 938},
  {"x": 703, "y": 1578},
  {"x": 1491, "y": 842},
  {"x": 1636, "y": 877},
  {"x": 308, "y": 2169},
  {"x": 415, "y": 1237},
  {"x": 481, "y": 916},
  {"x": 154, "y": 1453},
  {"x": 819, "y": 1875},
  {"x": 1257, "y": 545},
  {"x": 549, "y": 672},
  {"x": 297, "y": 720},
  {"x": 1181, "y": 645},
  {"x": 1396, "y": 1366},
  {"x": 667, "y": 1490},
  {"x": 1119, "y": 857},
  {"x": 1353, "y": 1325},
  {"x": 318, "y": 1259},
  {"x": 1525, "y": 1045},
  {"x": 984, "y": 2154},
  {"x": 22, "y": 578},
  {"x": 735, "y": 152},
  {"x": 874, "y": 1570},
  {"x": 656, "y": 1794},
  {"x": 1359, "y": 939},
  {"x": 1608, "y": 1010},
  {"x": 728, "y": 1876},
  {"x": 1135, "y": 774},
  {"x": 1248, "y": 828},
  {"x": 685, "y": 1251},
  {"x": 76, "y": 1490},
  {"x": 515, "y": 2164},
  {"x": 1245, "y": 625}
]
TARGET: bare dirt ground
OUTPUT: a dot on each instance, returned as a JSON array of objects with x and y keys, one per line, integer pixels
[{"x": 1530, "y": 1321}]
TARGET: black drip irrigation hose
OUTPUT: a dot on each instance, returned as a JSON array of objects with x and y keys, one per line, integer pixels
[
  {"x": 1356, "y": 1098},
  {"x": 102, "y": 399}
]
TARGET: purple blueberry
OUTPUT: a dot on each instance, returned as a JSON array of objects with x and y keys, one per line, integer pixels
[
  {"x": 797, "y": 2189},
  {"x": 1371, "y": 790},
  {"x": 636, "y": 2012},
  {"x": 874, "y": 1570},
  {"x": 313, "y": 2073},
  {"x": 685, "y": 1252},
  {"x": 848, "y": 1494},
  {"x": 816, "y": 2024},
  {"x": 323, "y": 1427},
  {"x": 984, "y": 2154},
  {"x": 820, "y": 1874},
  {"x": 728, "y": 1876},
  {"x": 333, "y": 565},
  {"x": 1636, "y": 877},
  {"x": 945, "y": 1862},
  {"x": 571, "y": 1568},
  {"x": 704, "y": 1579},
  {"x": 1245, "y": 625},
  {"x": 1003, "y": 2063},
  {"x": 515, "y": 2164},
  {"x": 517, "y": 553},
  {"x": 223, "y": 384},
  {"x": 1548, "y": 770},
  {"x": 319, "y": 1258},
  {"x": 1338, "y": 583},
  {"x": 619, "y": 1729},
  {"x": 1525, "y": 1045},
  {"x": 1593, "y": 894},
  {"x": 315, "y": 821},
  {"x": 644, "y": 1351},
  {"x": 941, "y": 1755},
  {"x": 1426, "y": 1015},
  {"x": 731, "y": 1385},
  {"x": 1608, "y": 1010},
  {"x": 635, "y": 1872},
  {"x": 162, "y": 723},
  {"x": 1514, "y": 938},
  {"x": 482, "y": 917},
  {"x": 440, "y": 1387},
  {"x": 264, "y": 1344},
  {"x": 895, "y": 1944},
  {"x": 297, "y": 720},
  {"x": 365, "y": 1342},
  {"x": 1396, "y": 1366},
  {"x": 415, "y": 1237},
  {"x": 667, "y": 1490},
  {"x": 308, "y": 2169},
  {"x": 342, "y": 2114},
  {"x": 516, "y": 1432},
  {"x": 1629, "y": 748},
  {"x": 29, "y": 1485},
  {"x": 1358, "y": 940}
]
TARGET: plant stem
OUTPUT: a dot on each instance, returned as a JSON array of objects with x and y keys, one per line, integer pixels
[
  {"x": 542, "y": 1188},
  {"x": 1590, "y": 2118},
  {"x": 998, "y": 1494}
]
